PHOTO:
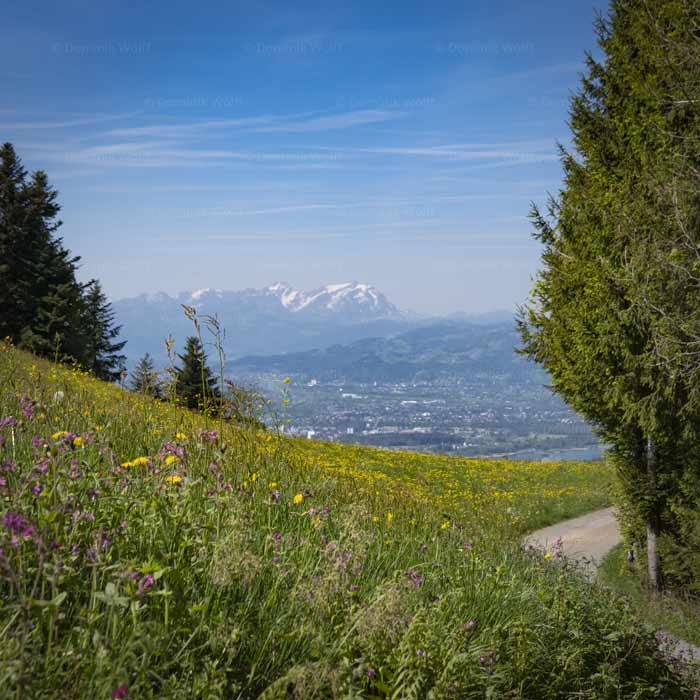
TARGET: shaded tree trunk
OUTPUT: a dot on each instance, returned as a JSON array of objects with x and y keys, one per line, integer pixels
[{"x": 653, "y": 520}]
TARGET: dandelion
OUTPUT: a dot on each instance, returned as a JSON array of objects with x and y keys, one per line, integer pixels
[
  {"x": 170, "y": 459},
  {"x": 173, "y": 479},
  {"x": 285, "y": 401},
  {"x": 58, "y": 435},
  {"x": 287, "y": 380},
  {"x": 445, "y": 525},
  {"x": 272, "y": 485},
  {"x": 547, "y": 555},
  {"x": 78, "y": 441},
  {"x": 180, "y": 436},
  {"x": 298, "y": 498},
  {"x": 138, "y": 462},
  {"x": 389, "y": 517}
]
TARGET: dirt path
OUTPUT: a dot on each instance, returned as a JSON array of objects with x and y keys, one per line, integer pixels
[{"x": 587, "y": 539}]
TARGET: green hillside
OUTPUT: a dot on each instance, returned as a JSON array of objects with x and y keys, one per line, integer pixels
[{"x": 147, "y": 552}]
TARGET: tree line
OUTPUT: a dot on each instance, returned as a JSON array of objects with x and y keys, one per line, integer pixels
[
  {"x": 614, "y": 314},
  {"x": 46, "y": 310},
  {"x": 43, "y": 306}
]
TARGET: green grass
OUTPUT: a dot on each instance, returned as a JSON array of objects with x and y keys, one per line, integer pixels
[
  {"x": 144, "y": 556},
  {"x": 670, "y": 613}
]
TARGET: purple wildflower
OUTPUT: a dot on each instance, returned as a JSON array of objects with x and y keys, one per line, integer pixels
[
  {"x": 144, "y": 584},
  {"x": 415, "y": 577},
  {"x": 27, "y": 406},
  {"x": 469, "y": 625},
  {"x": 467, "y": 545},
  {"x": 120, "y": 692},
  {"x": 209, "y": 435},
  {"x": 371, "y": 672},
  {"x": 277, "y": 536},
  {"x": 275, "y": 496},
  {"x": 420, "y": 652},
  {"x": 14, "y": 522},
  {"x": 8, "y": 420},
  {"x": 423, "y": 548}
]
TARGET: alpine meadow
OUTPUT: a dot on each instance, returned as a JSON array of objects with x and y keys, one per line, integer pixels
[{"x": 259, "y": 490}]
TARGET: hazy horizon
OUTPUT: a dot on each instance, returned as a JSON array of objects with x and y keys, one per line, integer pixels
[{"x": 399, "y": 146}]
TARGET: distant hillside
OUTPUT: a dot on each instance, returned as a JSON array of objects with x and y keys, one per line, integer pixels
[{"x": 445, "y": 350}]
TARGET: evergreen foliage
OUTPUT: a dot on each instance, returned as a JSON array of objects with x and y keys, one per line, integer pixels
[
  {"x": 42, "y": 305},
  {"x": 596, "y": 315},
  {"x": 102, "y": 348},
  {"x": 144, "y": 378},
  {"x": 195, "y": 385}
]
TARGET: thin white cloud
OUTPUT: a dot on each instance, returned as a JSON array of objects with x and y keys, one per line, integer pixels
[
  {"x": 291, "y": 123},
  {"x": 195, "y": 128},
  {"x": 515, "y": 152},
  {"x": 332, "y": 122},
  {"x": 82, "y": 121}
]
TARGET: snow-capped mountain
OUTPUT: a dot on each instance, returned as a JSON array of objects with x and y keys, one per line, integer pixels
[
  {"x": 350, "y": 300},
  {"x": 278, "y": 318}
]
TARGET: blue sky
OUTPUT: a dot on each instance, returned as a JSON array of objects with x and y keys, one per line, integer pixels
[{"x": 233, "y": 145}]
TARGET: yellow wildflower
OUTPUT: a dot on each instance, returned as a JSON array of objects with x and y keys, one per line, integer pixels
[
  {"x": 170, "y": 459},
  {"x": 389, "y": 517},
  {"x": 272, "y": 484},
  {"x": 59, "y": 435},
  {"x": 547, "y": 555},
  {"x": 173, "y": 479},
  {"x": 287, "y": 380},
  {"x": 445, "y": 525},
  {"x": 138, "y": 462},
  {"x": 254, "y": 476},
  {"x": 298, "y": 499},
  {"x": 77, "y": 441},
  {"x": 375, "y": 519},
  {"x": 285, "y": 401},
  {"x": 180, "y": 436}
]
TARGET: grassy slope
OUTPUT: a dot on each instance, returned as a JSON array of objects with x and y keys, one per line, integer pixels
[
  {"x": 244, "y": 565},
  {"x": 670, "y": 613}
]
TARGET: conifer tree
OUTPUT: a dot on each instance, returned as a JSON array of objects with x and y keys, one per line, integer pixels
[
  {"x": 103, "y": 352},
  {"x": 144, "y": 378},
  {"x": 43, "y": 307},
  {"x": 196, "y": 386},
  {"x": 586, "y": 321}
]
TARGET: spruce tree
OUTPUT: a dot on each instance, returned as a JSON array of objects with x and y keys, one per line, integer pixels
[
  {"x": 144, "y": 378},
  {"x": 196, "y": 386},
  {"x": 43, "y": 307},
  {"x": 102, "y": 350},
  {"x": 588, "y": 321}
]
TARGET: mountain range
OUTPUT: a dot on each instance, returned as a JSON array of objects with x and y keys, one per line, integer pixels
[
  {"x": 275, "y": 319},
  {"x": 349, "y": 328}
]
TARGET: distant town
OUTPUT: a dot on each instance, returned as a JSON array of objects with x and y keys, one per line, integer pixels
[{"x": 469, "y": 419}]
